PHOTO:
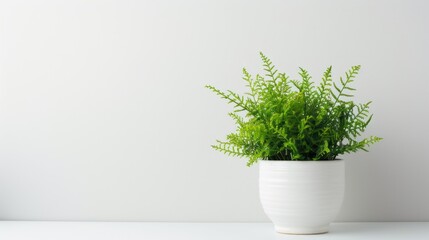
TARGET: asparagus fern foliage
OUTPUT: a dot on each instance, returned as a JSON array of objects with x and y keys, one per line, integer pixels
[{"x": 285, "y": 119}]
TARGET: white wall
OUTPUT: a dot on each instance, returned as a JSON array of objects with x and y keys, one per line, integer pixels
[{"x": 103, "y": 114}]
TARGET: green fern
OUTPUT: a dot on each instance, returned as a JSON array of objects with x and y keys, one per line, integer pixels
[{"x": 287, "y": 119}]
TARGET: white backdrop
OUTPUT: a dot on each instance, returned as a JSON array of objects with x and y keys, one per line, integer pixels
[{"x": 103, "y": 113}]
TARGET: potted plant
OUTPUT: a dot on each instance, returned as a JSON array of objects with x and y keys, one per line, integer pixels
[{"x": 296, "y": 131}]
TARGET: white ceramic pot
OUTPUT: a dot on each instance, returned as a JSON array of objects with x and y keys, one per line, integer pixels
[{"x": 301, "y": 197}]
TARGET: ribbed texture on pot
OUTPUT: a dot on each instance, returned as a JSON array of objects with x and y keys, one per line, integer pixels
[{"x": 301, "y": 196}]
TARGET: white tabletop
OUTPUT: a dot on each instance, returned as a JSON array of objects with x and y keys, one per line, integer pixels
[{"x": 22, "y": 230}]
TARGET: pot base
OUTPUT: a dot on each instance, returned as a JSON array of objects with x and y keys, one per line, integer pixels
[{"x": 302, "y": 231}]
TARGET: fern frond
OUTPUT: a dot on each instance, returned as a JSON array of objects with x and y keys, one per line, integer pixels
[
  {"x": 354, "y": 146},
  {"x": 238, "y": 120},
  {"x": 284, "y": 84},
  {"x": 269, "y": 67},
  {"x": 297, "y": 84},
  {"x": 238, "y": 101},
  {"x": 350, "y": 75},
  {"x": 326, "y": 84},
  {"x": 228, "y": 148},
  {"x": 254, "y": 86}
]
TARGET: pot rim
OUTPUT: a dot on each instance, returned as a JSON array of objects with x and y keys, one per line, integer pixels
[{"x": 288, "y": 161}]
